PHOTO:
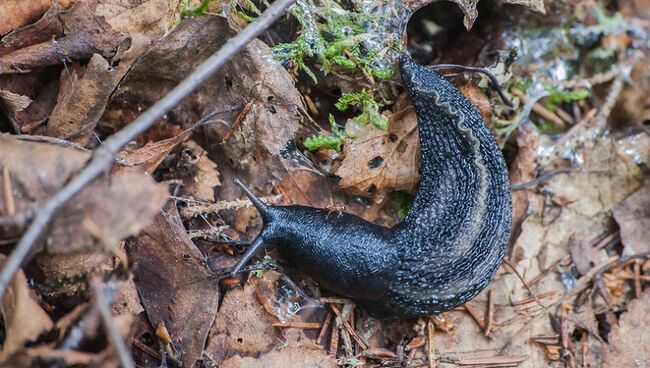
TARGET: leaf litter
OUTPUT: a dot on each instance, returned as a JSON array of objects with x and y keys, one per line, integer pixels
[{"x": 572, "y": 289}]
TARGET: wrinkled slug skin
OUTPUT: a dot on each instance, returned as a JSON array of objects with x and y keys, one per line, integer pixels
[{"x": 451, "y": 242}]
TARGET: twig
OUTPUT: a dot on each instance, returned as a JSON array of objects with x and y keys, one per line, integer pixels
[
  {"x": 102, "y": 159},
  {"x": 494, "y": 83},
  {"x": 540, "y": 179},
  {"x": 299, "y": 324},
  {"x": 489, "y": 318},
  {"x": 431, "y": 351},
  {"x": 326, "y": 323},
  {"x": 349, "y": 328},
  {"x": 103, "y": 296},
  {"x": 542, "y": 111},
  {"x": 474, "y": 312}
]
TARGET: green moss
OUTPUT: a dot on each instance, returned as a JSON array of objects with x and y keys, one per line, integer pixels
[
  {"x": 369, "y": 108},
  {"x": 326, "y": 141},
  {"x": 557, "y": 97},
  {"x": 347, "y": 42},
  {"x": 186, "y": 12},
  {"x": 404, "y": 201}
]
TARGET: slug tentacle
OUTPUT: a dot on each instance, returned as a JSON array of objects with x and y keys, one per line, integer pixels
[{"x": 451, "y": 242}]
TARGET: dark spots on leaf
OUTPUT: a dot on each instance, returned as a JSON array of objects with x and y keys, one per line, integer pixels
[
  {"x": 228, "y": 82},
  {"x": 147, "y": 338},
  {"x": 372, "y": 189},
  {"x": 393, "y": 137},
  {"x": 375, "y": 162},
  {"x": 270, "y": 97},
  {"x": 272, "y": 109},
  {"x": 401, "y": 148}
]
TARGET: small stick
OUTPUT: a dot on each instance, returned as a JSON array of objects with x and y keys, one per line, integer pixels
[
  {"x": 637, "y": 279},
  {"x": 489, "y": 313},
  {"x": 240, "y": 117},
  {"x": 475, "y": 313},
  {"x": 334, "y": 340},
  {"x": 103, "y": 296},
  {"x": 349, "y": 328},
  {"x": 326, "y": 324},
  {"x": 298, "y": 324},
  {"x": 494, "y": 83},
  {"x": 542, "y": 111},
  {"x": 431, "y": 351}
]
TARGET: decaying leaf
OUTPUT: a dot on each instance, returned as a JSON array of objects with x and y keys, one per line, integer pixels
[
  {"x": 84, "y": 93},
  {"x": 15, "y": 14},
  {"x": 24, "y": 320},
  {"x": 174, "y": 284},
  {"x": 150, "y": 17},
  {"x": 633, "y": 217},
  {"x": 97, "y": 215},
  {"x": 146, "y": 159},
  {"x": 303, "y": 357},
  {"x": 206, "y": 176},
  {"x": 84, "y": 35},
  {"x": 233, "y": 333},
  {"x": 629, "y": 341},
  {"x": 256, "y": 145},
  {"x": 383, "y": 161}
]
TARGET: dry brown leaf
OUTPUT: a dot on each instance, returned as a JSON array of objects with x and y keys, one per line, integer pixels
[
  {"x": 24, "y": 319},
  {"x": 150, "y": 17},
  {"x": 84, "y": 93},
  {"x": 379, "y": 162},
  {"x": 629, "y": 341},
  {"x": 584, "y": 255},
  {"x": 633, "y": 217},
  {"x": 174, "y": 284},
  {"x": 14, "y": 101},
  {"x": 257, "y": 145},
  {"x": 242, "y": 326},
  {"x": 146, "y": 159},
  {"x": 522, "y": 170},
  {"x": 305, "y": 188},
  {"x": 105, "y": 212},
  {"x": 85, "y": 35},
  {"x": 15, "y": 14},
  {"x": 206, "y": 176},
  {"x": 302, "y": 357}
]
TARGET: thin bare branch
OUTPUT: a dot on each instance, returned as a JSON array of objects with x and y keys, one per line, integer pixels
[
  {"x": 103, "y": 296},
  {"x": 103, "y": 157}
]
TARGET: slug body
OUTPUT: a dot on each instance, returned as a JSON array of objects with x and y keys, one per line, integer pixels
[{"x": 451, "y": 242}]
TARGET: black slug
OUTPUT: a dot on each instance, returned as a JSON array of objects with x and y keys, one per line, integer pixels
[{"x": 450, "y": 244}]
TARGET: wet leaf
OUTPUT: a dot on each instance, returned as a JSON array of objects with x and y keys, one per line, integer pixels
[
  {"x": 97, "y": 217},
  {"x": 233, "y": 333},
  {"x": 378, "y": 162},
  {"x": 84, "y": 93},
  {"x": 24, "y": 319},
  {"x": 633, "y": 217},
  {"x": 174, "y": 283},
  {"x": 629, "y": 340}
]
